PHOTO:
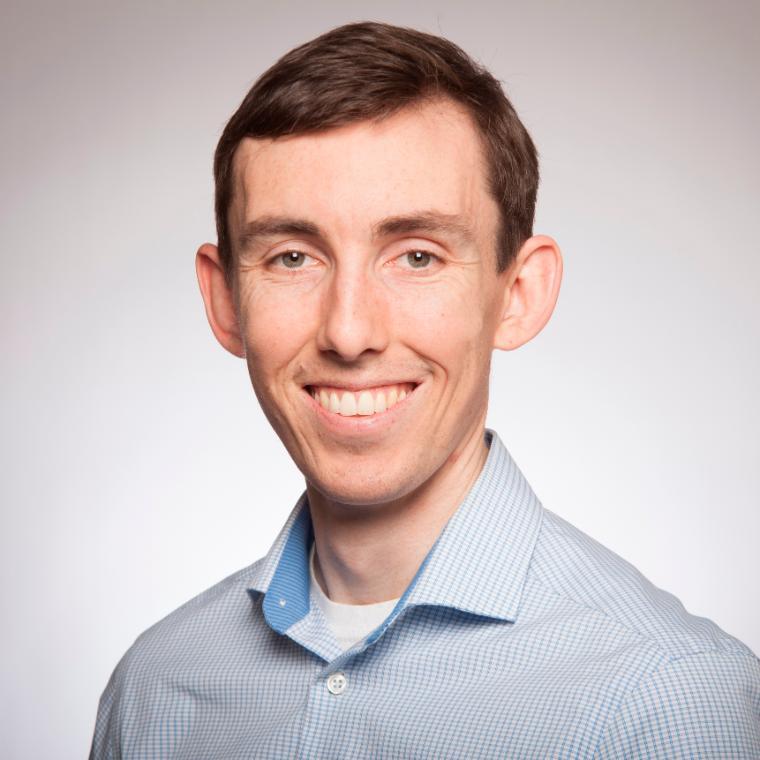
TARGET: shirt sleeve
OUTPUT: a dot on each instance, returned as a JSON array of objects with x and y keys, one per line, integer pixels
[
  {"x": 105, "y": 744},
  {"x": 704, "y": 705}
]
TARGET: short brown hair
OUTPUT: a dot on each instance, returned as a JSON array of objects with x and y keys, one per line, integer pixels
[{"x": 370, "y": 70}]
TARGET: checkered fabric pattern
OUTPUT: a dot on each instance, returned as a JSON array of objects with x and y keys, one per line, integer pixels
[{"x": 519, "y": 637}]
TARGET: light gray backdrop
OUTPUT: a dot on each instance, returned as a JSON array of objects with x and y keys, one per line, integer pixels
[{"x": 138, "y": 467}]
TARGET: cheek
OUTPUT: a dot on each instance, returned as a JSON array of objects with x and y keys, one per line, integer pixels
[
  {"x": 447, "y": 324},
  {"x": 275, "y": 327}
]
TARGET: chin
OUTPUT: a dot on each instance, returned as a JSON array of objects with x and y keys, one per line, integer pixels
[{"x": 366, "y": 491}]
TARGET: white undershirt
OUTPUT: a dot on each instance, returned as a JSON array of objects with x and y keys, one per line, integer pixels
[{"x": 349, "y": 622}]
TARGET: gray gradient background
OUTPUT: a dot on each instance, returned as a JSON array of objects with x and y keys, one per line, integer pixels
[{"x": 139, "y": 469}]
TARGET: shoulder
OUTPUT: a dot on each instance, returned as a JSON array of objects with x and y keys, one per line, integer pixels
[
  {"x": 688, "y": 688},
  {"x": 216, "y": 612},
  {"x": 570, "y": 564},
  {"x": 164, "y": 654},
  {"x": 705, "y": 704}
]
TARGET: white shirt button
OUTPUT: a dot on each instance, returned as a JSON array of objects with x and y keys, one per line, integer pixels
[{"x": 336, "y": 683}]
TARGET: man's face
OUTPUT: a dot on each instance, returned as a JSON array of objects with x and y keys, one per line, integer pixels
[{"x": 368, "y": 296}]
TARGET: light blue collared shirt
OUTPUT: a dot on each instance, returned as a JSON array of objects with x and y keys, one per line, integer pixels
[{"x": 519, "y": 637}]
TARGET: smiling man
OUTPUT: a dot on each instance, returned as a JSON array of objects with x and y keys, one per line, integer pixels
[{"x": 375, "y": 199}]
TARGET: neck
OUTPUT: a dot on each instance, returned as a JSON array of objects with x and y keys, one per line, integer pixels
[{"x": 367, "y": 555}]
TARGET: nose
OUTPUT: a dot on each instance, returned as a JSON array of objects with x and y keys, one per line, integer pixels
[{"x": 354, "y": 315}]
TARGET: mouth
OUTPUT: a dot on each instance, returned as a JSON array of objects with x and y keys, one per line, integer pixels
[{"x": 360, "y": 402}]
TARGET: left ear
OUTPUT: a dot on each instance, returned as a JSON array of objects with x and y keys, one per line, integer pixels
[
  {"x": 530, "y": 292},
  {"x": 218, "y": 299}
]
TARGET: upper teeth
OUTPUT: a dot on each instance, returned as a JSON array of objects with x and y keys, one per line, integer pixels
[{"x": 364, "y": 402}]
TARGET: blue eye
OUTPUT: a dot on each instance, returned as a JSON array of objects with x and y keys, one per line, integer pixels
[
  {"x": 419, "y": 259},
  {"x": 293, "y": 259}
]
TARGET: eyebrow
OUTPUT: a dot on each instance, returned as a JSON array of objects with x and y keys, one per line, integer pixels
[
  {"x": 269, "y": 226},
  {"x": 431, "y": 222},
  {"x": 435, "y": 222}
]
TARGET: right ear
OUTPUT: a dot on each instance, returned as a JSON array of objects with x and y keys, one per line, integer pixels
[{"x": 218, "y": 299}]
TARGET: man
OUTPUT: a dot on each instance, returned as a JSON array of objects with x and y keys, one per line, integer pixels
[{"x": 375, "y": 199}]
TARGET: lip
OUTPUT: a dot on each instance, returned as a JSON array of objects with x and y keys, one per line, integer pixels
[
  {"x": 361, "y": 424},
  {"x": 358, "y": 387}
]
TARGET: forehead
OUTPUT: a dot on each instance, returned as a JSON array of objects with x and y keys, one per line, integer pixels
[{"x": 423, "y": 158}]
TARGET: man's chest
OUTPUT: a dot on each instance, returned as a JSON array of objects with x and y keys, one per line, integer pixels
[{"x": 428, "y": 688}]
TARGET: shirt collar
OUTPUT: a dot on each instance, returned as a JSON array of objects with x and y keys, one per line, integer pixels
[
  {"x": 478, "y": 564},
  {"x": 480, "y": 561}
]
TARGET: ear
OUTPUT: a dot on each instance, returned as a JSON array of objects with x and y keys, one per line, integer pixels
[
  {"x": 530, "y": 292},
  {"x": 218, "y": 299}
]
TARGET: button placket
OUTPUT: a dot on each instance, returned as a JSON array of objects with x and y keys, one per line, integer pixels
[{"x": 336, "y": 683}]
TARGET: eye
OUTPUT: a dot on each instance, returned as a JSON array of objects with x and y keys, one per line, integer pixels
[
  {"x": 419, "y": 259},
  {"x": 292, "y": 259}
]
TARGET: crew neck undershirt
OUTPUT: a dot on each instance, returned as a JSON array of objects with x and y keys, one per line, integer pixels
[{"x": 348, "y": 622}]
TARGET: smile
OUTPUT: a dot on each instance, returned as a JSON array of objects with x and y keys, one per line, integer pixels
[{"x": 365, "y": 402}]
